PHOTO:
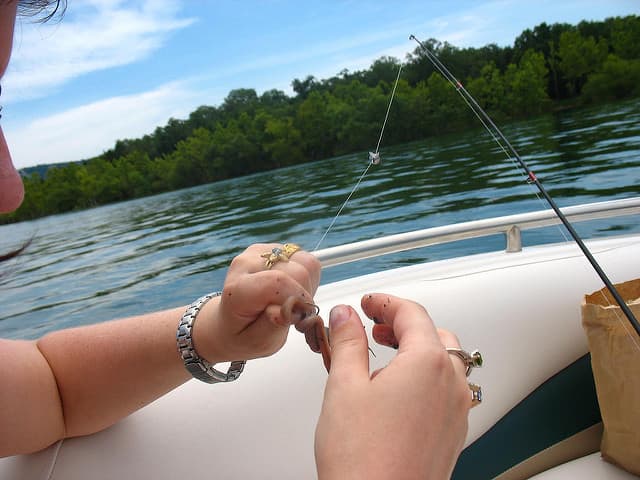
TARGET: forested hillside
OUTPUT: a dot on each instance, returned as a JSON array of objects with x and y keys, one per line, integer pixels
[{"x": 548, "y": 67}]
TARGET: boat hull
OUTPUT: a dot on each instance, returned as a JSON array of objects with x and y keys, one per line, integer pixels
[{"x": 521, "y": 310}]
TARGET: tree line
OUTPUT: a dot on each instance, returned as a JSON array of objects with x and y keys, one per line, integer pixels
[{"x": 547, "y": 67}]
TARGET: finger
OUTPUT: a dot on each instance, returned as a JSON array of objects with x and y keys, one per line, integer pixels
[
  {"x": 410, "y": 321},
  {"x": 251, "y": 260},
  {"x": 294, "y": 310},
  {"x": 249, "y": 295},
  {"x": 311, "y": 265},
  {"x": 349, "y": 348},
  {"x": 449, "y": 340},
  {"x": 304, "y": 268},
  {"x": 383, "y": 335},
  {"x": 260, "y": 338},
  {"x": 268, "y": 333}
]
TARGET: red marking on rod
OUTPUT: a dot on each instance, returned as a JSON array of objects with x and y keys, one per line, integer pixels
[
  {"x": 458, "y": 84},
  {"x": 532, "y": 176}
]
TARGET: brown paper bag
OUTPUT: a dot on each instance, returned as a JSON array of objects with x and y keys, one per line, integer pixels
[{"x": 615, "y": 360}]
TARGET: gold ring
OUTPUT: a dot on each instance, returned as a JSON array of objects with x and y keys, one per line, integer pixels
[
  {"x": 278, "y": 254},
  {"x": 476, "y": 394},
  {"x": 289, "y": 249}
]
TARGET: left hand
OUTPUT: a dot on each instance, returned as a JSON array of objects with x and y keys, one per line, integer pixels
[
  {"x": 408, "y": 420},
  {"x": 246, "y": 322}
]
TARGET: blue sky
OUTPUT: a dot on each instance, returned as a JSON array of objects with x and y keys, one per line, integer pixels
[{"x": 118, "y": 69}]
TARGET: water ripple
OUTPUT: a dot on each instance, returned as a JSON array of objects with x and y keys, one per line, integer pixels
[{"x": 163, "y": 251}]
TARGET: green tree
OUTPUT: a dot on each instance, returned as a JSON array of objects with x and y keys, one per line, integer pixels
[
  {"x": 204, "y": 116},
  {"x": 384, "y": 69},
  {"x": 625, "y": 37},
  {"x": 304, "y": 87},
  {"x": 525, "y": 85},
  {"x": 62, "y": 188},
  {"x": 276, "y": 102},
  {"x": 316, "y": 126},
  {"x": 100, "y": 183},
  {"x": 579, "y": 56},
  {"x": 34, "y": 204},
  {"x": 239, "y": 101},
  {"x": 618, "y": 78},
  {"x": 445, "y": 109},
  {"x": 488, "y": 89},
  {"x": 235, "y": 152},
  {"x": 282, "y": 142},
  {"x": 192, "y": 158},
  {"x": 133, "y": 172}
]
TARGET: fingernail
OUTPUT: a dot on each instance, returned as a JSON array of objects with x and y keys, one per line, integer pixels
[{"x": 339, "y": 314}]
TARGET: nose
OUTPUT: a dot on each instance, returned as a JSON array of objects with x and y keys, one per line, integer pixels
[{"x": 11, "y": 187}]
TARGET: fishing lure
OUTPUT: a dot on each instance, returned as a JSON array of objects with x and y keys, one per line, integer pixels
[
  {"x": 310, "y": 323},
  {"x": 374, "y": 159}
]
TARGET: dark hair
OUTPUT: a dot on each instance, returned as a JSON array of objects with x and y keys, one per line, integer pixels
[
  {"x": 14, "y": 253},
  {"x": 42, "y": 10}
]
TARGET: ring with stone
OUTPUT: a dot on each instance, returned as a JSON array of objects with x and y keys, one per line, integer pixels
[
  {"x": 470, "y": 360},
  {"x": 278, "y": 254},
  {"x": 476, "y": 394}
]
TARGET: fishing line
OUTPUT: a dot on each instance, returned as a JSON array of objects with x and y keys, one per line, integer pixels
[
  {"x": 386, "y": 117},
  {"x": 374, "y": 159},
  {"x": 512, "y": 154}
]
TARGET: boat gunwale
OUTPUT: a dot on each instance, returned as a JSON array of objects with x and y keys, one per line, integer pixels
[{"x": 509, "y": 225}]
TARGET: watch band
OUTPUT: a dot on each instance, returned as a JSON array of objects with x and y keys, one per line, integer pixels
[{"x": 199, "y": 367}]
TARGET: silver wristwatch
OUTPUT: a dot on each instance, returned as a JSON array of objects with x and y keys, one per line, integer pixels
[{"x": 199, "y": 367}]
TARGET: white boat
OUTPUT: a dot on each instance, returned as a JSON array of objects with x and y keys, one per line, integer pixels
[{"x": 520, "y": 307}]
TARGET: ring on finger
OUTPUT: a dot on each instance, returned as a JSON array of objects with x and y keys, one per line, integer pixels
[
  {"x": 278, "y": 254},
  {"x": 290, "y": 248},
  {"x": 471, "y": 360},
  {"x": 476, "y": 394}
]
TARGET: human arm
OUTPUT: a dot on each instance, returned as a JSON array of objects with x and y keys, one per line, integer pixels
[
  {"x": 78, "y": 381},
  {"x": 408, "y": 420}
]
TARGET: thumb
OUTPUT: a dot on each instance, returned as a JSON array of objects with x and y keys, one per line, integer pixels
[{"x": 349, "y": 346}]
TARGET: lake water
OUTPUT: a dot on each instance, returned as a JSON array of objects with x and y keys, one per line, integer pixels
[{"x": 165, "y": 251}]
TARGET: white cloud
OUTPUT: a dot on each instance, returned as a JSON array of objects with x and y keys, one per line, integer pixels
[
  {"x": 85, "y": 131},
  {"x": 96, "y": 35}
]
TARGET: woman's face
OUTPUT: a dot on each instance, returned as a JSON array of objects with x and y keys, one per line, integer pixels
[{"x": 11, "y": 189}]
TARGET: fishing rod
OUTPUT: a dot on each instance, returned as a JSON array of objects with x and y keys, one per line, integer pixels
[{"x": 510, "y": 151}]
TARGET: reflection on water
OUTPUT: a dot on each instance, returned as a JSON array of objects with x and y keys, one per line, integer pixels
[{"x": 163, "y": 251}]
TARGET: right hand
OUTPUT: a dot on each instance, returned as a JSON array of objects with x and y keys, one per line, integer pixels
[
  {"x": 408, "y": 420},
  {"x": 246, "y": 321}
]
